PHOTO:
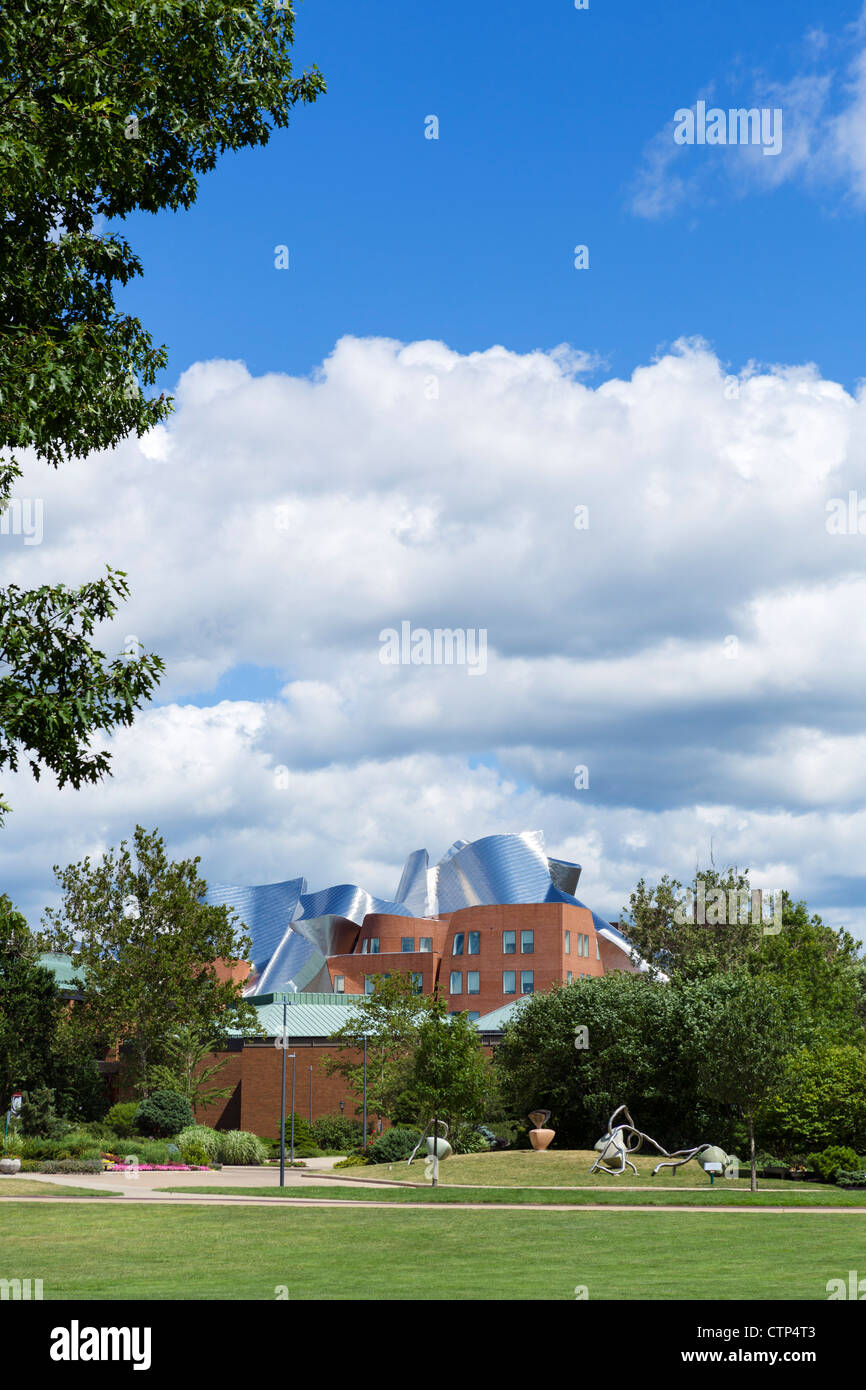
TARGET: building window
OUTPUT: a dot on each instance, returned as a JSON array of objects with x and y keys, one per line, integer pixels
[
  {"x": 509, "y": 982},
  {"x": 509, "y": 943},
  {"x": 458, "y": 945},
  {"x": 473, "y": 982},
  {"x": 407, "y": 945},
  {"x": 417, "y": 981},
  {"x": 597, "y": 951},
  {"x": 456, "y": 985},
  {"x": 527, "y": 943},
  {"x": 569, "y": 977},
  {"x": 368, "y": 984},
  {"x": 526, "y": 982},
  {"x": 339, "y": 984},
  {"x": 473, "y": 1015},
  {"x": 425, "y": 945},
  {"x": 580, "y": 943},
  {"x": 370, "y": 946},
  {"x": 586, "y": 947},
  {"x": 568, "y": 943},
  {"x": 473, "y": 947}
]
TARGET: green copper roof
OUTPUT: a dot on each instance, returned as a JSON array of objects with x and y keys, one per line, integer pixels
[{"x": 62, "y": 969}]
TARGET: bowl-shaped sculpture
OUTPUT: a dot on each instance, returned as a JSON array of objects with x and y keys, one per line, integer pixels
[
  {"x": 10, "y": 1165},
  {"x": 443, "y": 1148},
  {"x": 540, "y": 1137}
]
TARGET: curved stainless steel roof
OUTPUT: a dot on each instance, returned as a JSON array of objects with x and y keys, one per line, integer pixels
[{"x": 293, "y": 930}]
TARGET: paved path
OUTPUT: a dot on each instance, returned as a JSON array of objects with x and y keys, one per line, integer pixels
[{"x": 232, "y": 1199}]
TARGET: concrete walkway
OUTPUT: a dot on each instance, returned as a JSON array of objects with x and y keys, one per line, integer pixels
[{"x": 229, "y": 1199}]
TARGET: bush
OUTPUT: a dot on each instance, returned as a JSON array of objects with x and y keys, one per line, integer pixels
[
  {"x": 163, "y": 1113},
  {"x": 121, "y": 1118},
  {"x": 394, "y": 1146},
  {"x": 828, "y": 1163},
  {"x": 237, "y": 1146},
  {"x": 850, "y": 1179},
  {"x": 200, "y": 1144},
  {"x": 72, "y": 1165},
  {"x": 337, "y": 1133},
  {"x": 38, "y": 1116},
  {"x": 199, "y": 1139},
  {"x": 353, "y": 1161},
  {"x": 466, "y": 1139}
]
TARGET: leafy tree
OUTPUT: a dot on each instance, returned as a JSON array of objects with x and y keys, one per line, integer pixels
[
  {"x": 823, "y": 966},
  {"x": 743, "y": 1029},
  {"x": 29, "y": 1008},
  {"x": 820, "y": 1101},
  {"x": 632, "y": 1055},
  {"x": 147, "y": 949},
  {"x": 107, "y": 107},
  {"x": 391, "y": 1018},
  {"x": 184, "y": 1070},
  {"x": 449, "y": 1072},
  {"x": 692, "y": 931}
]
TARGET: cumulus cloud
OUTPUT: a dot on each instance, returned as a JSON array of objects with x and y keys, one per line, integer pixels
[{"x": 651, "y": 562}]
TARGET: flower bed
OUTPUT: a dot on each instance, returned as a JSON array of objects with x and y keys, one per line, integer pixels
[{"x": 115, "y": 1166}]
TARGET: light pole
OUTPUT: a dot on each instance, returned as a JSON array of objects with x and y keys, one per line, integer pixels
[
  {"x": 284, "y": 1041},
  {"x": 365, "y": 1093},
  {"x": 311, "y": 1097},
  {"x": 293, "y": 1109}
]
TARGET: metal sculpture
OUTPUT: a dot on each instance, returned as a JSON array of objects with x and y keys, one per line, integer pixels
[{"x": 625, "y": 1138}]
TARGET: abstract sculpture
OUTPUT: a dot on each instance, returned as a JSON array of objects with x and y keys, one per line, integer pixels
[
  {"x": 539, "y": 1137},
  {"x": 624, "y": 1139}
]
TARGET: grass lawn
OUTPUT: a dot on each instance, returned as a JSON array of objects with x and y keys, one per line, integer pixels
[
  {"x": 813, "y": 1196},
  {"x": 166, "y": 1252},
  {"x": 26, "y": 1187},
  {"x": 559, "y": 1168}
]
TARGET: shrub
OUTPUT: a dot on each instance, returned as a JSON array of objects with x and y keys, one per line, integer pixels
[
  {"x": 828, "y": 1163},
  {"x": 72, "y": 1165},
  {"x": 163, "y": 1113},
  {"x": 469, "y": 1140},
  {"x": 353, "y": 1161},
  {"x": 394, "y": 1146},
  {"x": 199, "y": 1139},
  {"x": 237, "y": 1146},
  {"x": 336, "y": 1132},
  {"x": 121, "y": 1118},
  {"x": 38, "y": 1116},
  {"x": 850, "y": 1179}
]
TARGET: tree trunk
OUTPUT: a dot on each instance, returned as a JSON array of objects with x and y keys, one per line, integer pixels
[{"x": 754, "y": 1177}]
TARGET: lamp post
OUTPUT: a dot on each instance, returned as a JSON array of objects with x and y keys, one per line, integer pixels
[
  {"x": 293, "y": 1109},
  {"x": 285, "y": 1042},
  {"x": 311, "y": 1097},
  {"x": 365, "y": 1093}
]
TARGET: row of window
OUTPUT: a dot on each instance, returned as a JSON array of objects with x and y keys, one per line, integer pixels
[
  {"x": 509, "y": 982},
  {"x": 471, "y": 941}
]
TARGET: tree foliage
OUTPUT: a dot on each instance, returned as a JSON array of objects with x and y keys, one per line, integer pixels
[
  {"x": 391, "y": 1018},
  {"x": 29, "y": 1008},
  {"x": 449, "y": 1079},
  {"x": 147, "y": 950},
  {"x": 107, "y": 107}
]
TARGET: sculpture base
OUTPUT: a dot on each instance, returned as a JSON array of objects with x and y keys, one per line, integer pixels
[{"x": 541, "y": 1138}]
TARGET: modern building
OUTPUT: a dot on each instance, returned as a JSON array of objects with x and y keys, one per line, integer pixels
[{"x": 494, "y": 920}]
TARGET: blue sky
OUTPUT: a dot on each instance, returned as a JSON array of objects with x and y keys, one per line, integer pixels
[
  {"x": 401, "y": 426},
  {"x": 545, "y": 113}
]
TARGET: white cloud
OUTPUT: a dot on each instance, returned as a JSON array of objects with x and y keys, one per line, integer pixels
[
  {"x": 824, "y": 135},
  {"x": 283, "y": 523}
]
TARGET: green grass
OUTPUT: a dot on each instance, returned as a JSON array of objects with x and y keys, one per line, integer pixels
[
  {"x": 558, "y": 1168},
  {"x": 495, "y": 1196},
  {"x": 167, "y": 1252},
  {"x": 27, "y": 1187}
]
